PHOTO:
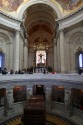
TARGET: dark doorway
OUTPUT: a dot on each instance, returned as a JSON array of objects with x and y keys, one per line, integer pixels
[
  {"x": 2, "y": 96},
  {"x": 38, "y": 90}
]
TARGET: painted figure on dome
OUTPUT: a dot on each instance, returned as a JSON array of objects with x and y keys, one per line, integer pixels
[
  {"x": 10, "y": 5},
  {"x": 69, "y": 4}
]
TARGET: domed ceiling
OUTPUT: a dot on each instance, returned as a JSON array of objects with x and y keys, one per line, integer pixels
[
  {"x": 12, "y": 5},
  {"x": 69, "y": 4}
]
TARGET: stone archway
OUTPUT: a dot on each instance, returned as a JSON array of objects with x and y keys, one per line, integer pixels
[
  {"x": 79, "y": 60},
  {"x": 40, "y": 26},
  {"x": 5, "y": 47},
  {"x": 74, "y": 46},
  {"x": 55, "y": 5}
]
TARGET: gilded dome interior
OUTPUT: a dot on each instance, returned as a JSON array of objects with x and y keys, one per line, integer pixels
[{"x": 12, "y": 5}]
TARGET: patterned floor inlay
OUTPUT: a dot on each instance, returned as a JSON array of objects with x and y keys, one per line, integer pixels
[{"x": 50, "y": 118}]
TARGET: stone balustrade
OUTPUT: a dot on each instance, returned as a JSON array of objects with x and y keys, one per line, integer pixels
[{"x": 48, "y": 80}]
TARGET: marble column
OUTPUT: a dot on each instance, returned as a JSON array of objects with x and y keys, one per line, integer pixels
[
  {"x": 16, "y": 51},
  {"x": 55, "y": 58},
  {"x": 62, "y": 46},
  {"x": 25, "y": 55},
  {"x": 29, "y": 92},
  {"x": 9, "y": 94},
  {"x": 68, "y": 102},
  {"x": 48, "y": 98},
  {"x": 8, "y": 101},
  {"x": 48, "y": 94}
]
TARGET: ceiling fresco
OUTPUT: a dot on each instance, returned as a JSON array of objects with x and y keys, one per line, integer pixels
[
  {"x": 12, "y": 5},
  {"x": 69, "y": 4}
]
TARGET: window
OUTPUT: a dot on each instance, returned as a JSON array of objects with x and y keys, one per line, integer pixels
[
  {"x": 0, "y": 60},
  {"x": 81, "y": 60}
]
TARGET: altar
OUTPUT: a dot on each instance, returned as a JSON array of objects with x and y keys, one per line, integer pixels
[
  {"x": 41, "y": 65},
  {"x": 41, "y": 62}
]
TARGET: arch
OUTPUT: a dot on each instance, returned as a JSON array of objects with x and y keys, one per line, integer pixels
[
  {"x": 5, "y": 39},
  {"x": 74, "y": 40},
  {"x": 73, "y": 34},
  {"x": 7, "y": 36},
  {"x": 55, "y": 5},
  {"x": 34, "y": 36},
  {"x": 79, "y": 54}
]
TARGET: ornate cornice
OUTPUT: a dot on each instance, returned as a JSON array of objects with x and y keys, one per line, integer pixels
[
  {"x": 71, "y": 19},
  {"x": 71, "y": 14},
  {"x": 9, "y": 16},
  {"x": 9, "y": 21}
]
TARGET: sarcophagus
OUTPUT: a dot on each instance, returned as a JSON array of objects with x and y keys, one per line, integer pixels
[{"x": 34, "y": 111}]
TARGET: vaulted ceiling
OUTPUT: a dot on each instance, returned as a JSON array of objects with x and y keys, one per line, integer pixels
[
  {"x": 40, "y": 19},
  {"x": 40, "y": 25}
]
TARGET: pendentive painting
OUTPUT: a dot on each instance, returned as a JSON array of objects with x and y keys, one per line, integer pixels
[
  {"x": 10, "y": 5},
  {"x": 69, "y": 4}
]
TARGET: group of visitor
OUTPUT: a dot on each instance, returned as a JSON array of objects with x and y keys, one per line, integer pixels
[{"x": 24, "y": 71}]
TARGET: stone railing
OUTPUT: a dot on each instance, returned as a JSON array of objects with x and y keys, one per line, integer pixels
[
  {"x": 51, "y": 107},
  {"x": 15, "y": 111},
  {"x": 59, "y": 108}
]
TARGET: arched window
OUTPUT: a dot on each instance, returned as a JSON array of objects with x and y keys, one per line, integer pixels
[
  {"x": 0, "y": 60},
  {"x": 81, "y": 60}
]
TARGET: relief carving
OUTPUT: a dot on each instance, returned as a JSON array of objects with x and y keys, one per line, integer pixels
[
  {"x": 2, "y": 42},
  {"x": 77, "y": 39}
]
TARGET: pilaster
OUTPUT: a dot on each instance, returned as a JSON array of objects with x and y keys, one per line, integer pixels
[
  {"x": 55, "y": 56},
  {"x": 48, "y": 98},
  {"x": 62, "y": 56},
  {"x": 68, "y": 102},
  {"x": 8, "y": 101},
  {"x": 26, "y": 54}
]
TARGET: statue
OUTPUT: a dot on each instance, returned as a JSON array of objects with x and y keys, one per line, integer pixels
[{"x": 40, "y": 58}]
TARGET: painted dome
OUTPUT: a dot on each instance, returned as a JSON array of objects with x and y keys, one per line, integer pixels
[
  {"x": 69, "y": 4},
  {"x": 12, "y": 5}
]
